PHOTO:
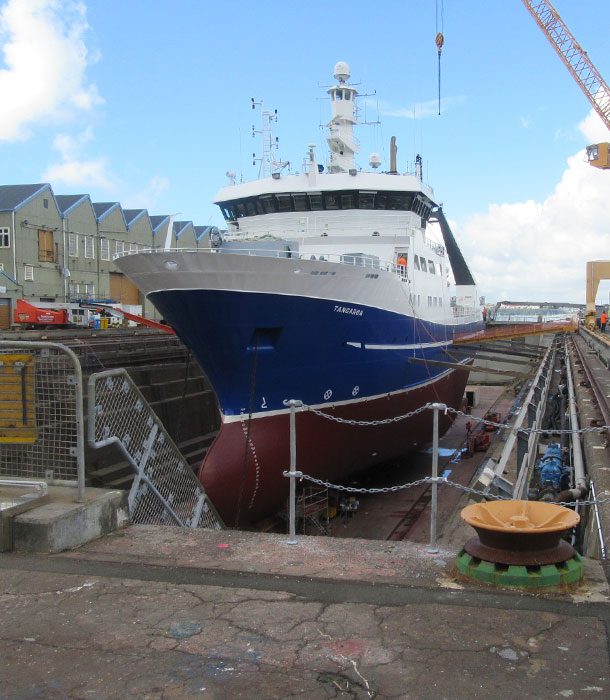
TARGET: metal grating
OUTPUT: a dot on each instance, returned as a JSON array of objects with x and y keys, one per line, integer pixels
[
  {"x": 40, "y": 412},
  {"x": 165, "y": 491}
]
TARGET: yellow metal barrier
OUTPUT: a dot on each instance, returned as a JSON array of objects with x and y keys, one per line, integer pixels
[{"x": 17, "y": 399}]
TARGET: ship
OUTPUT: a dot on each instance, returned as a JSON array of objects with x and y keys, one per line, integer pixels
[{"x": 325, "y": 289}]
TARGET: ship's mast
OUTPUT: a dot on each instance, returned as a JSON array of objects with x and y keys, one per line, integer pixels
[
  {"x": 340, "y": 138},
  {"x": 268, "y": 163}
]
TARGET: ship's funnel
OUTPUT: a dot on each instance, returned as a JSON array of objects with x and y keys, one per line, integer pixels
[{"x": 393, "y": 150}]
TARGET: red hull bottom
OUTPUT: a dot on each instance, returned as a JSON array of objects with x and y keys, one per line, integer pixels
[{"x": 245, "y": 485}]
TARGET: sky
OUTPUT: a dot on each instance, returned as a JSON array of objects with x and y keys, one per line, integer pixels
[{"x": 149, "y": 104}]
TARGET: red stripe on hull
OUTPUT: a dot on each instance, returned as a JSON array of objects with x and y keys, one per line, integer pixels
[{"x": 325, "y": 449}]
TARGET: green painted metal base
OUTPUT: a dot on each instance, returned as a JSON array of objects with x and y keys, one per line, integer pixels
[{"x": 568, "y": 572}]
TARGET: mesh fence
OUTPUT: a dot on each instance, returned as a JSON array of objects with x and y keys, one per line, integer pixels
[
  {"x": 40, "y": 411},
  {"x": 165, "y": 491}
]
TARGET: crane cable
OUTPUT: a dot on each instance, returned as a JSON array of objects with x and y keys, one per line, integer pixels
[{"x": 440, "y": 40}]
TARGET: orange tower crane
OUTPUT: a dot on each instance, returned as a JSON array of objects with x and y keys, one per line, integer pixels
[{"x": 581, "y": 68}]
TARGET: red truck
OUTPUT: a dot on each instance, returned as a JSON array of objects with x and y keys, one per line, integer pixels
[
  {"x": 34, "y": 317},
  {"x": 73, "y": 315}
]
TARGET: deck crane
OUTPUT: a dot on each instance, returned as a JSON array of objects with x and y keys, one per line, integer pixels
[{"x": 581, "y": 68}]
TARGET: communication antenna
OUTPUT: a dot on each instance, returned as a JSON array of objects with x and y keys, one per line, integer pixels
[{"x": 268, "y": 163}]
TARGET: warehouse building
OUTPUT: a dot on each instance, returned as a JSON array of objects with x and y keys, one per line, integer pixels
[{"x": 60, "y": 248}]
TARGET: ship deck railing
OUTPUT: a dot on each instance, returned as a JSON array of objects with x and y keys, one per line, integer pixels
[{"x": 355, "y": 259}]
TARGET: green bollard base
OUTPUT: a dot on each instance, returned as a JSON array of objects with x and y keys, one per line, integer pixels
[{"x": 563, "y": 574}]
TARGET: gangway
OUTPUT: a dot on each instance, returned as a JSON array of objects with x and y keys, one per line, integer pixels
[{"x": 513, "y": 330}]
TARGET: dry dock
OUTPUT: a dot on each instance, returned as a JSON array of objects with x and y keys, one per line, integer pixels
[{"x": 165, "y": 613}]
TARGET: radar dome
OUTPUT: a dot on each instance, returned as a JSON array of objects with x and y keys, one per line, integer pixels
[
  {"x": 374, "y": 160},
  {"x": 342, "y": 71}
]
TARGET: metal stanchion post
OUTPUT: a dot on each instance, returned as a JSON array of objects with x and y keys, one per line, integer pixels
[
  {"x": 433, "y": 549},
  {"x": 293, "y": 473}
]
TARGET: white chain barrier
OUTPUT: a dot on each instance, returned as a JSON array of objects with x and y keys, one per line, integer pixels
[
  {"x": 432, "y": 480},
  {"x": 448, "y": 409}
]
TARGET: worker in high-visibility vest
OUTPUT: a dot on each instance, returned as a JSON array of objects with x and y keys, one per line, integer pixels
[
  {"x": 602, "y": 322},
  {"x": 402, "y": 265}
]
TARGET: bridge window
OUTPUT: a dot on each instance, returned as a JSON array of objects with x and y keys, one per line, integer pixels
[
  {"x": 267, "y": 204},
  {"x": 416, "y": 261},
  {"x": 347, "y": 201},
  {"x": 431, "y": 268},
  {"x": 366, "y": 200},
  {"x": 316, "y": 201},
  {"x": 381, "y": 200},
  {"x": 301, "y": 202},
  {"x": 331, "y": 201},
  {"x": 422, "y": 262},
  {"x": 284, "y": 202},
  {"x": 399, "y": 201}
]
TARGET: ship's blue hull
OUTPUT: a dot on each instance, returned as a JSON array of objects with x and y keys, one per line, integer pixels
[
  {"x": 350, "y": 361},
  {"x": 260, "y": 349}
]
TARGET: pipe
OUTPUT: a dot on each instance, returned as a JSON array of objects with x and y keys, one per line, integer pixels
[
  {"x": 14, "y": 245},
  {"x": 433, "y": 549},
  {"x": 570, "y": 495},
  {"x": 580, "y": 481},
  {"x": 40, "y": 486}
]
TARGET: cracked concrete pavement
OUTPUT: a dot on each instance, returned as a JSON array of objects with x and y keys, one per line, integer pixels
[{"x": 160, "y": 613}]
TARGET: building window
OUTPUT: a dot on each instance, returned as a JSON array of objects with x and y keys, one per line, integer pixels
[
  {"x": 133, "y": 248},
  {"x": 120, "y": 248},
  {"x": 28, "y": 273},
  {"x": 104, "y": 249},
  {"x": 1, "y": 267},
  {"x": 73, "y": 245},
  {"x": 89, "y": 251},
  {"x": 45, "y": 246},
  {"x": 45, "y": 203},
  {"x": 5, "y": 237},
  {"x": 73, "y": 290},
  {"x": 89, "y": 290}
]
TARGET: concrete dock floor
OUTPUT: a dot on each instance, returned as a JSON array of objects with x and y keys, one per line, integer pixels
[{"x": 165, "y": 613}]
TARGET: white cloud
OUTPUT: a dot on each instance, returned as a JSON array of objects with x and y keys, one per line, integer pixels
[
  {"x": 537, "y": 251},
  {"x": 419, "y": 110},
  {"x": 594, "y": 128},
  {"x": 45, "y": 60},
  {"x": 76, "y": 171},
  {"x": 149, "y": 196}
]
